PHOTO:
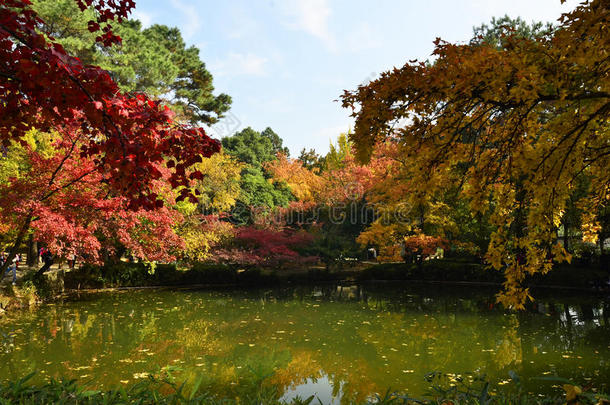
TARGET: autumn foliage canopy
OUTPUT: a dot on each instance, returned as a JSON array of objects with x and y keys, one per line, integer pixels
[
  {"x": 492, "y": 148},
  {"x": 515, "y": 125},
  {"x": 126, "y": 135},
  {"x": 109, "y": 149}
]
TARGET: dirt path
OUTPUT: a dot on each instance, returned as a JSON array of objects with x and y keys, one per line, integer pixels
[{"x": 7, "y": 278}]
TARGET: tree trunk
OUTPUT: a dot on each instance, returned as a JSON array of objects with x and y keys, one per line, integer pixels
[
  {"x": 32, "y": 252},
  {"x": 566, "y": 236},
  {"x": 604, "y": 257},
  {"x": 422, "y": 218},
  {"x": 519, "y": 221},
  {"x": 15, "y": 248},
  {"x": 47, "y": 265}
]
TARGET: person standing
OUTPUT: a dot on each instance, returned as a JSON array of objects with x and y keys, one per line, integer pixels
[
  {"x": 372, "y": 253},
  {"x": 13, "y": 267},
  {"x": 71, "y": 261}
]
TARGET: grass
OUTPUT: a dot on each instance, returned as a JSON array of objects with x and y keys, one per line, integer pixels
[{"x": 444, "y": 390}]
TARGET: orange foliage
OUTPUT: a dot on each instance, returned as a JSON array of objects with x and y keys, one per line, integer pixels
[
  {"x": 306, "y": 185},
  {"x": 422, "y": 245}
]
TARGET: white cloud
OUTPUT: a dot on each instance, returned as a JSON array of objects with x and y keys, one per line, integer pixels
[
  {"x": 312, "y": 17},
  {"x": 145, "y": 18},
  {"x": 240, "y": 64},
  {"x": 192, "y": 20}
]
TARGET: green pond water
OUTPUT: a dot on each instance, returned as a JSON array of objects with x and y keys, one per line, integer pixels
[{"x": 342, "y": 343}]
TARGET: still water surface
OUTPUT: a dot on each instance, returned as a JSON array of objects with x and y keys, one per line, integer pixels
[{"x": 341, "y": 343}]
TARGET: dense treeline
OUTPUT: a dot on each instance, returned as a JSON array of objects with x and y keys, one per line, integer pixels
[{"x": 501, "y": 159}]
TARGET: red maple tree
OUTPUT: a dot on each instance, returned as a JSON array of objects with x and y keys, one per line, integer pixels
[
  {"x": 85, "y": 217},
  {"x": 265, "y": 246},
  {"x": 124, "y": 139}
]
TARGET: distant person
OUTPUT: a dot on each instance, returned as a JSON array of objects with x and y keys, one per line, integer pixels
[
  {"x": 13, "y": 267},
  {"x": 71, "y": 261},
  {"x": 47, "y": 259}
]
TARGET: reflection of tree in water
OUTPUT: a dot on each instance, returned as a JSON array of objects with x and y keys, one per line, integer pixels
[
  {"x": 362, "y": 339},
  {"x": 355, "y": 345},
  {"x": 508, "y": 352},
  {"x": 568, "y": 338}
]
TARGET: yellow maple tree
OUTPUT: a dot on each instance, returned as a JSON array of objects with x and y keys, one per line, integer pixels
[
  {"x": 514, "y": 126},
  {"x": 218, "y": 191}
]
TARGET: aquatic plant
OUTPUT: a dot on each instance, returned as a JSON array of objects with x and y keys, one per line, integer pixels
[{"x": 161, "y": 389}]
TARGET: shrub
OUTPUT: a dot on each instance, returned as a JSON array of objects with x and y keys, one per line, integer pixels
[{"x": 202, "y": 273}]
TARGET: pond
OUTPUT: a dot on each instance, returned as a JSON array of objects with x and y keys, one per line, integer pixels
[{"x": 342, "y": 343}]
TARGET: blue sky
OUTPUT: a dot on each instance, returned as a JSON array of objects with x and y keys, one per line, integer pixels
[{"x": 285, "y": 62}]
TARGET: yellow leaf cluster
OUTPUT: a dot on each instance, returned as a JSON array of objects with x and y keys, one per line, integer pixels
[{"x": 514, "y": 128}]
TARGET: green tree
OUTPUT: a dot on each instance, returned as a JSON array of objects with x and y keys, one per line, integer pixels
[
  {"x": 276, "y": 142},
  {"x": 154, "y": 60},
  {"x": 250, "y": 146},
  {"x": 500, "y": 29},
  {"x": 311, "y": 160},
  {"x": 257, "y": 190},
  {"x": 335, "y": 158},
  {"x": 192, "y": 87}
]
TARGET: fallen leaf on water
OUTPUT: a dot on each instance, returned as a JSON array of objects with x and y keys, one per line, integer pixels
[{"x": 572, "y": 391}]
